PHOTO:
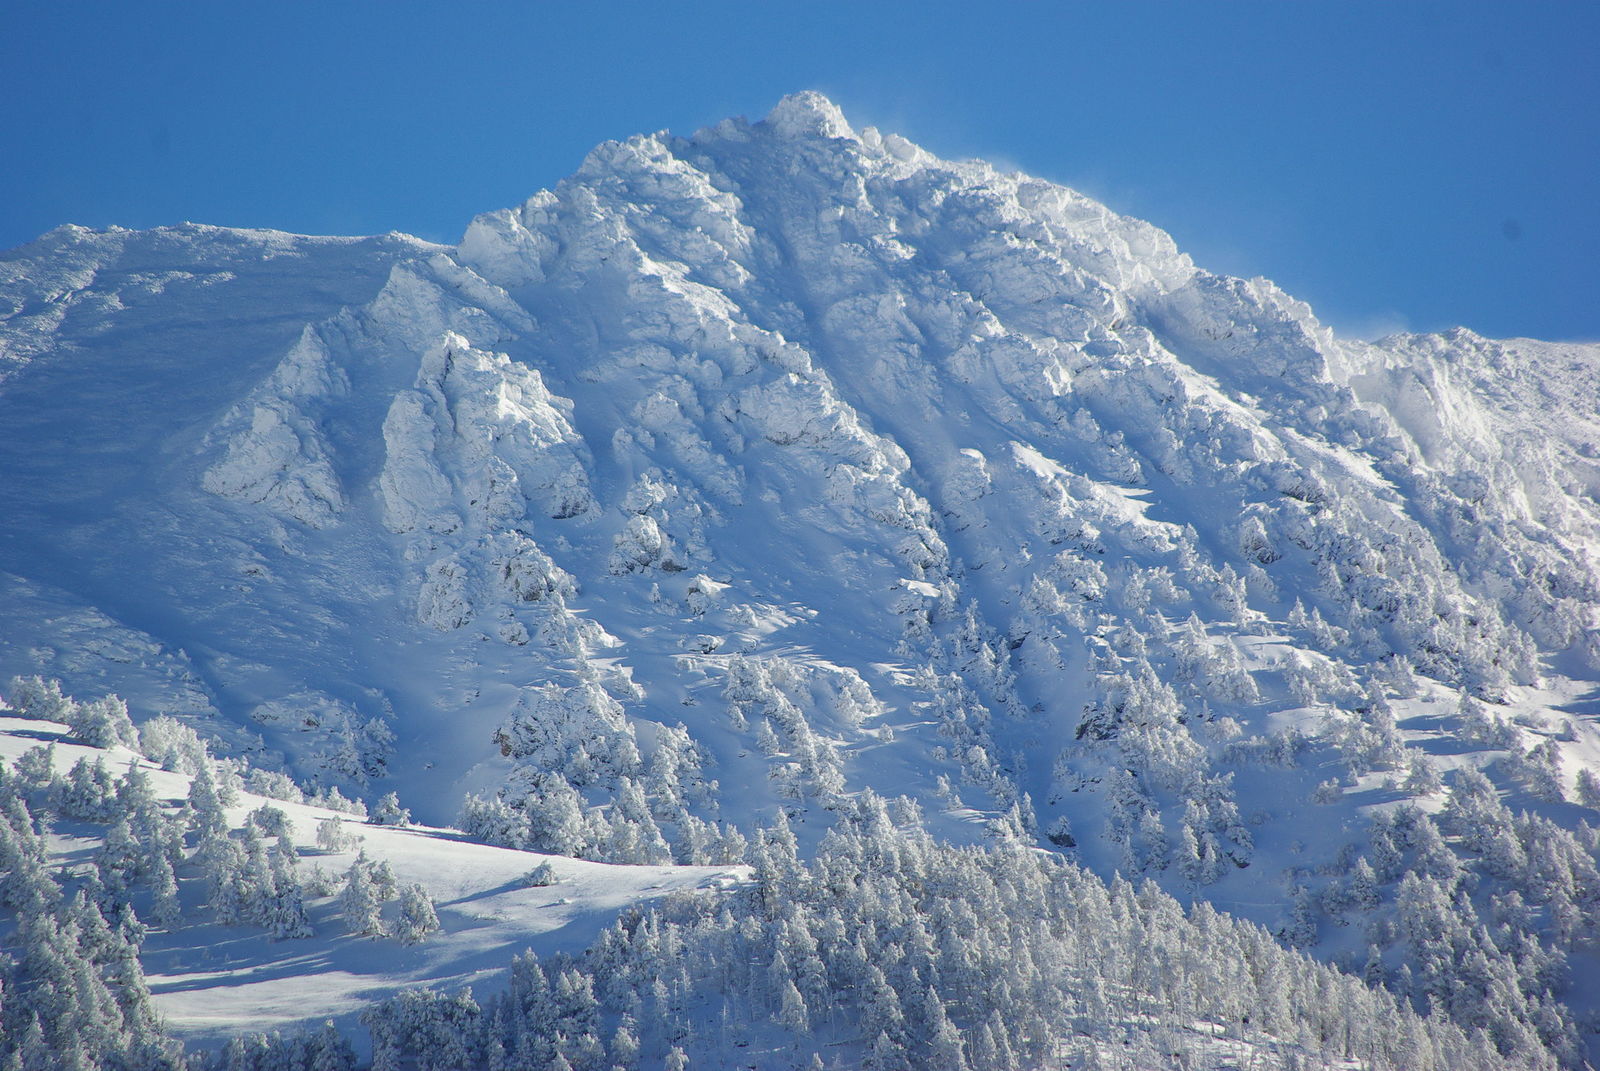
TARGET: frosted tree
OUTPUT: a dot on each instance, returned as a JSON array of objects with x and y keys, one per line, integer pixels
[
  {"x": 333, "y": 837},
  {"x": 1364, "y": 885},
  {"x": 358, "y": 901},
  {"x": 136, "y": 796},
  {"x": 165, "y": 908},
  {"x": 35, "y": 697},
  {"x": 388, "y": 812},
  {"x": 329, "y": 1050},
  {"x": 555, "y": 818},
  {"x": 88, "y": 793},
  {"x": 493, "y": 821},
  {"x": 286, "y": 912},
  {"x": 417, "y": 919},
  {"x": 206, "y": 806},
  {"x": 1421, "y": 778},
  {"x": 625, "y": 1044},
  {"x": 1301, "y": 931},
  {"x": 1588, "y": 788},
  {"x": 274, "y": 784},
  {"x": 383, "y": 881},
  {"x": 74, "y": 995},
  {"x": 580, "y": 732},
  {"x": 792, "y": 1013},
  {"x": 1156, "y": 849},
  {"x": 1540, "y": 769},
  {"x": 220, "y": 863},
  {"x": 119, "y": 862},
  {"x": 172, "y": 745},
  {"x": 102, "y": 723},
  {"x": 635, "y": 838},
  {"x": 885, "y": 1054},
  {"x": 270, "y": 820},
  {"x": 35, "y": 768}
]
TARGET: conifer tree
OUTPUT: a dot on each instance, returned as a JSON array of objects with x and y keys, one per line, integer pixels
[
  {"x": 358, "y": 902},
  {"x": 417, "y": 920},
  {"x": 1588, "y": 788},
  {"x": 206, "y": 809},
  {"x": 388, "y": 812},
  {"x": 383, "y": 882},
  {"x": 102, "y": 723}
]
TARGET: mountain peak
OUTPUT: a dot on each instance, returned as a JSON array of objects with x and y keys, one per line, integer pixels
[
  {"x": 808, "y": 114},
  {"x": 782, "y": 470}
]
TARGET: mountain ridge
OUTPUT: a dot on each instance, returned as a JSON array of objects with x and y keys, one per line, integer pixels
[{"x": 868, "y": 469}]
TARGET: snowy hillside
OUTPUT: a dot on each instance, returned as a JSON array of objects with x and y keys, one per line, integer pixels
[
  {"x": 152, "y": 907},
  {"x": 745, "y": 472},
  {"x": 301, "y": 963}
]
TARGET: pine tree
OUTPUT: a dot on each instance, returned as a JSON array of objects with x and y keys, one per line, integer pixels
[
  {"x": 1588, "y": 788},
  {"x": 417, "y": 918},
  {"x": 493, "y": 821},
  {"x": 118, "y": 860},
  {"x": 332, "y": 835},
  {"x": 135, "y": 794},
  {"x": 885, "y": 1055},
  {"x": 165, "y": 908},
  {"x": 35, "y": 768},
  {"x": 88, "y": 793},
  {"x": 1373, "y": 972},
  {"x": 35, "y": 697},
  {"x": 388, "y": 812},
  {"x": 330, "y": 1051},
  {"x": 287, "y": 911},
  {"x": 221, "y": 863},
  {"x": 358, "y": 902},
  {"x": 792, "y": 1010},
  {"x": 205, "y": 802},
  {"x": 256, "y": 888},
  {"x": 635, "y": 837},
  {"x": 625, "y": 1045},
  {"x": 1301, "y": 932},
  {"x": 1364, "y": 886},
  {"x": 555, "y": 818},
  {"x": 102, "y": 723},
  {"x": 383, "y": 882}
]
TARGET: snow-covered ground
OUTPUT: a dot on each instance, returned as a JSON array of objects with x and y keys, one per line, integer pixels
[{"x": 212, "y": 982}]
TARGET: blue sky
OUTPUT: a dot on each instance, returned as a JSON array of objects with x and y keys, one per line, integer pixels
[{"x": 1397, "y": 164}]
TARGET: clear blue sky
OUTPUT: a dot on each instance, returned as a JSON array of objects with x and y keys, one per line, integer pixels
[{"x": 1397, "y": 164}]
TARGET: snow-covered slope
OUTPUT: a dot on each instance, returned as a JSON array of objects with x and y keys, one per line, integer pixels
[
  {"x": 149, "y": 908},
  {"x": 868, "y": 470},
  {"x": 212, "y": 980}
]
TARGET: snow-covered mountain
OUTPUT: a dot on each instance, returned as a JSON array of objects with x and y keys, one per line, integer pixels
[{"x": 744, "y": 472}]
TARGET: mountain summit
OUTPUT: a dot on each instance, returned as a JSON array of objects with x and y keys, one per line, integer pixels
[{"x": 746, "y": 472}]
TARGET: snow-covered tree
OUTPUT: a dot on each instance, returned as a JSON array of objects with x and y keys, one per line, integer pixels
[
  {"x": 359, "y": 903},
  {"x": 417, "y": 919},
  {"x": 332, "y": 836},
  {"x": 388, "y": 812}
]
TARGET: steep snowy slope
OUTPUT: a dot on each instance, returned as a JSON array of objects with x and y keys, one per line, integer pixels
[
  {"x": 866, "y": 468},
  {"x": 118, "y": 351}
]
